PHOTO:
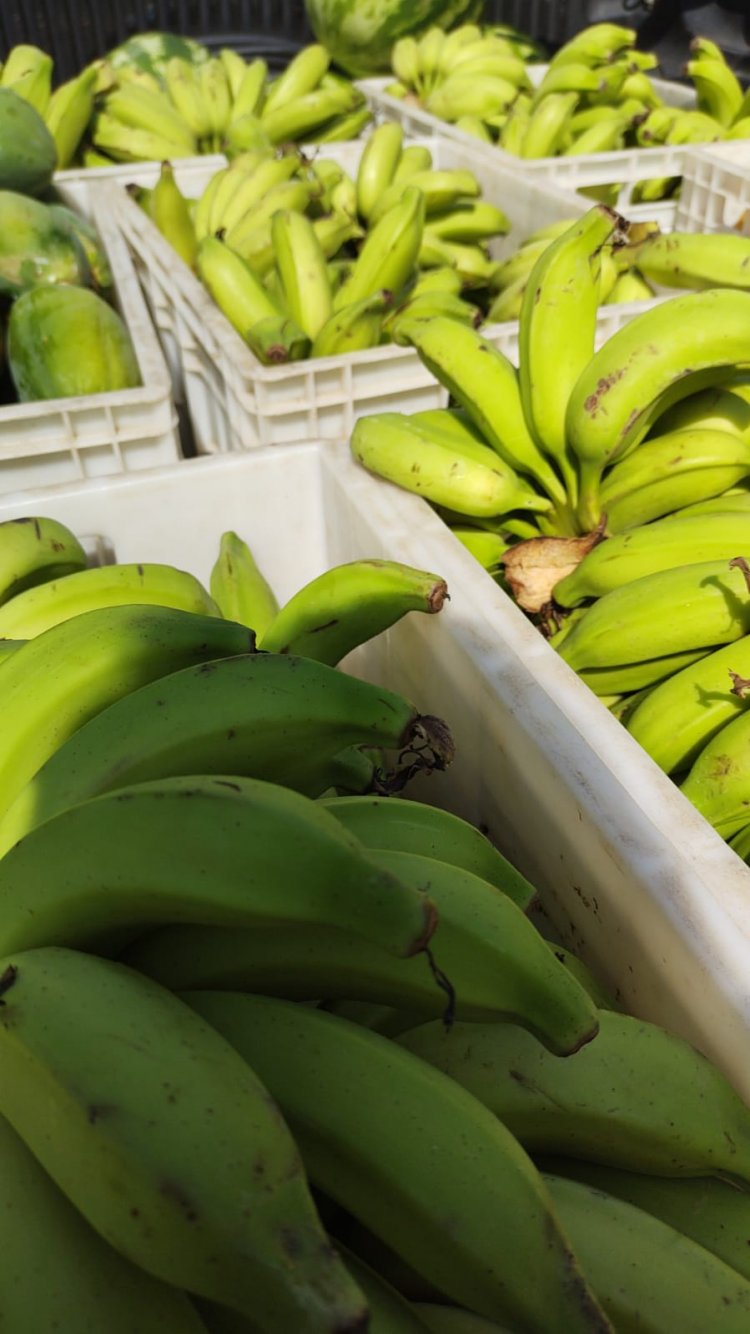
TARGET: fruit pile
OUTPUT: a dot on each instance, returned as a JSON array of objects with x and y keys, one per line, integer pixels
[
  {"x": 594, "y": 96},
  {"x": 612, "y": 486},
  {"x": 281, "y": 1052},
  {"x": 61, "y": 333},
  {"x": 307, "y": 261}
]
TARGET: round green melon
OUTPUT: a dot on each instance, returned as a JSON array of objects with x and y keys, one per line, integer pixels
[
  {"x": 150, "y": 51},
  {"x": 28, "y": 155},
  {"x": 360, "y": 33}
]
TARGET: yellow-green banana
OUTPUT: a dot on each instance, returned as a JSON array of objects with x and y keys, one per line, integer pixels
[
  {"x": 35, "y": 550},
  {"x": 301, "y": 265},
  {"x": 170, "y": 211},
  {"x": 669, "y": 471},
  {"x": 68, "y": 113},
  {"x": 238, "y": 293},
  {"x": 354, "y": 327},
  {"x": 718, "y": 783},
  {"x": 389, "y": 254},
  {"x": 377, "y": 166},
  {"x": 239, "y": 589}
]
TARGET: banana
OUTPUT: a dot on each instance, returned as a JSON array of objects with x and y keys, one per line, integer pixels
[
  {"x": 28, "y": 71},
  {"x": 165, "y": 1141},
  {"x": 547, "y": 125},
  {"x": 480, "y": 485},
  {"x": 740, "y": 129},
  {"x": 358, "y": 1105},
  {"x": 718, "y": 88},
  {"x": 35, "y": 550},
  {"x": 441, "y": 189},
  {"x": 389, "y": 254},
  {"x": 469, "y": 220},
  {"x": 170, "y": 211},
  {"x": 513, "y": 130},
  {"x": 344, "y": 127},
  {"x": 596, "y": 44},
  {"x": 58, "y": 1273},
  {"x": 666, "y": 1109},
  {"x": 485, "y": 383},
  {"x": 493, "y": 963},
  {"x": 405, "y": 61},
  {"x": 124, "y": 143},
  {"x": 413, "y": 158},
  {"x": 301, "y": 76},
  {"x": 62, "y": 678},
  {"x": 520, "y": 264},
  {"x": 221, "y": 180},
  {"x": 354, "y": 327},
  {"x": 487, "y": 548},
  {"x": 269, "y": 716},
  {"x": 610, "y": 411},
  {"x": 349, "y": 604},
  {"x": 426, "y": 307},
  {"x": 244, "y": 189},
  {"x": 629, "y": 287},
  {"x": 141, "y": 109},
  {"x": 671, "y": 470},
  {"x": 694, "y": 127},
  {"x": 430, "y": 50},
  {"x": 250, "y": 852},
  {"x": 291, "y": 194},
  {"x": 377, "y": 165},
  {"x": 606, "y": 137},
  {"x": 718, "y": 782},
  {"x": 473, "y": 263},
  {"x": 246, "y": 134},
  {"x": 673, "y": 611},
  {"x": 712, "y": 1213},
  {"x": 237, "y": 291},
  {"x": 250, "y": 93},
  {"x": 238, "y": 587},
  {"x": 68, "y": 112},
  {"x": 650, "y": 547},
  {"x": 234, "y": 67},
  {"x": 301, "y": 265},
  {"x": 557, "y": 327},
  {"x": 623, "y": 1249},
  {"x": 183, "y": 83},
  {"x": 276, "y": 340},
  {"x": 463, "y": 94},
  {"x": 414, "y": 826},
  {"x": 216, "y": 99},
  {"x": 388, "y": 1309},
  {"x": 297, "y": 120},
  {"x": 729, "y": 502},
  {"x": 335, "y": 230},
  {"x": 571, "y": 76},
  {"x": 620, "y": 679},
  {"x": 684, "y": 259},
  {"x": 37, "y": 609}
]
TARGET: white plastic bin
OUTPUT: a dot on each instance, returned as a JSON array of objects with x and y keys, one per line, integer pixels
[
  {"x": 237, "y": 403},
  {"x": 715, "y": 193},
  {"x": 60, "y": 440},
  {"x": 630, "y": 875},
  {"x": 626, "y": 166}
]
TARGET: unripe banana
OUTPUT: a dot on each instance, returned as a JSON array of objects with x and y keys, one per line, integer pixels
[
  {"x": 238, "y": 587},
  {"x": 184, "y": 88},
  {"x": 301, "y": 76},
  {"x": 389, "y": 254},
  {"x": 469, "y": 95},
  {"x": 548, "y": 122},
  {"x": 297, "y": 120},
  {"x": 684, "y": 259},
  {"x": 301, "y": 264},
  {"x": 141, "y": 109},
  {"x": 377, "y": 165},
  {"x": 250, "y": 94},
  {"x": 170, "y": 211},
  {"x": 68, "y": 113},
  {"x": 352, "y": 328},
  {"x": 414, "y": 158},
  {"x": 669, "y": 471},
  {"x": 596, "y": 43},
  {"x": 718, "y": 88},
  {"x": 718, "y": 783},
  {"x": 467, "y": 221},
  {"x": 35, "y": 550}
]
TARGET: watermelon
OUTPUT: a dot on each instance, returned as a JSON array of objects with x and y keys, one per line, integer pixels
[
  {"x": 360, "y": 33},
  {"x": 150, "y": 51}
]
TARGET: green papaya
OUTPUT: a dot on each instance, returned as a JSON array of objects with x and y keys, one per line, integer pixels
[
  {"x": 34, "y": 248},
  {"x": 28, "y": 155},
  {"x": 64, "y": 341},
  {"x": 73, "y": 224}
]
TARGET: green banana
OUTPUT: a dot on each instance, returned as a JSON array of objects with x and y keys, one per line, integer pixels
[
  {"x": 31, "y": 612},
  {"x": 377, "y": 166},
  {"x": 486, "y": 384},
  {"x": 270, "y": 716},
  {"x": 492, "y": 962},
  {"x": 236, "y": 289},
  {"x": 301, "y": 265},
  {"x": 426, "y": 307},
  {"x": 667, "y": 472},
  {"x": 712, "y": 1213},
  {"x": 557, "y": 326},
  {"x": 414, "y": 826},
  {"x": 455, "y": 1320},
  {"x": 624, "y": 678},
  {"x": 127, "y": 143},
  {"x": 344, "y": 127},
  {"x": 165, "y": 1141},
  {"x": 647, "y": 1274},
  {"x": 686, "y": 259},
  {"x": 389, "y": 254},
  {"x": 720, "y": 408},
  {"x": 636, "y": 1097},
  {"x": 672, "y": 611},
  {"x": 717, "y": 782},
  {"x": 251, "y": 91},
  {"x": 76, "y": 225},
  {"x": 349, "y": 604},
  {"x": 354, "y": 327},
  {"x": 596, "y": 43},
  {"x": 58, "y": 1273},
  {"x": 611, "y": 410},
  {"x": 482, "y": 484},
  {"x": 442, "y": 189},
  {"x": 276, "y": 339},
  {"x": 301, "y": 76},
  {"x": 297, "y": 121},
  {"x": 62, "y": 678},
  {"x": 357, "y": 1105},
  {"x": 465, "y": 94},
  {"x": 651, "y": 547},
  {"x": 35, "y": 550},
  {"x": 151, "y": 113},
  {"x": 629, "y": 287},
  {"x": 68, "y": 112},
  {"x": 487, "y": 548},
  {"x": 183, "y": 83},
  {"x": 248, "y": 852},
  {"x": 170, "y": 211},
  {"x": 413, "y": 158},
  {"x": 547, "y": 124},
  {"x": 290, "y": 194},
  {"x": 467, "y": 221},
  {"x": 719, "y": 90},
  {"x": 239, "y": 589},
  {"x": 28, "y": 71}
]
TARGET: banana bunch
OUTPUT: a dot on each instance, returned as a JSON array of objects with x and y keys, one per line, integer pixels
[
  {"x": 273, "y": 239},
  {"x": 221, "y": 103}
]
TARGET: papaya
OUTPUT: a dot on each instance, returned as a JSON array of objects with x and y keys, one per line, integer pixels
[
  {"x": 65, "y": 341},
  {"x": 73, "y": 224},
  {"x": 34, "y": 248},
  {"x": 28, "y": 155}
]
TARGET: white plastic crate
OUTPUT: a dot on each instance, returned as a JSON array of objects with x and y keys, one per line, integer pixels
[
  {"x": 626, "y": 166},
  {"x": 237, "y": 403},
  {"x": 60, "y": 440},
  {"x": 715, "y": 193},
  {"x": 630, "y": 875}
]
